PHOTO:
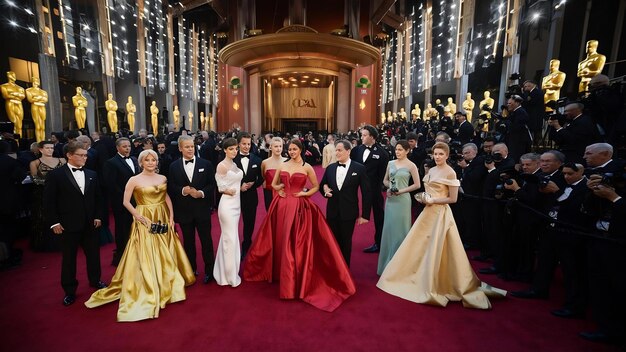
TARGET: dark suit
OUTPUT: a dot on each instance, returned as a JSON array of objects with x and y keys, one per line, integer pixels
[
  {"x": 375, "y": 166},
  {"x": 472, "y": 180},
  {"x": 116, "y": 174},
  {"x": 466, "y": 132},
  {"x": 11, "y": 176},
  {"x": 194, "y": 213},
  {"x": 575, "y": 137},
  {"x": 65, "y": 204},
  {"x": 533, "y": 104},
  {"x": 518, "y": 134},
  {"x": 249, "y": 198},
  {"x": 342, "y": 209}
]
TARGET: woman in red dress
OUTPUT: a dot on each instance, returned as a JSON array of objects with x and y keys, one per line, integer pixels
[
  {"x": 268, "y": 169},
  {"x": 295, "y": 245}
]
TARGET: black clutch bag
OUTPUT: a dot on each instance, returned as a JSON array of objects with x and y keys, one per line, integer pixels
[{"x": 158, "y": 228}]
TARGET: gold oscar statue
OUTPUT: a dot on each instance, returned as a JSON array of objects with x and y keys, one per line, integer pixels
[
  {"x": 202, "y": 121},
  {"x": 590, "y": 66},
  {"x": 131, "y": 109},
  {"x": 80, "y": 108},
  {"x": 488, "y": 100},
  {"x": 13, "y": 94},
  {"x": 211, "y": 122},
  {"x": 468, "y": 106},
  {"x": 383, "y": 118},
  {"x": 430, "y": 112},
  {"x": 451, "y": 105},
  {"x": 111, "y": 106},
  {"x": 389, "y": 117},
  {"x": 552, "y": 83},
  {"x": 416, "y": 112},
  {"x": 190, "y": 119},
  {"x": 402, "y": 114},
  {"x": 154, "y": 113},
  {"x": 176, "y": 114},
  {"x": 38, "y": 98}
]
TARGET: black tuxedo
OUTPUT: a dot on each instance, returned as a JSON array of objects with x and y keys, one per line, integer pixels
[
  {"x": 11, "y": 176},
  {"x": 518, "y": 133},
  {"x": 375, "y": 166},
  {"x": 249, "y": 198},
  {"x": 194, "y": 213},
  {"x": 65, "y": 204},
  {"x": 472, "y": 180},
  {"x": 533, "y": 104},
  {"x": 342, "y": 208},
  {"x": 466, "y": 132},
  {"x": 116, "y": 174},
  {"x": 575, "y": 137}
]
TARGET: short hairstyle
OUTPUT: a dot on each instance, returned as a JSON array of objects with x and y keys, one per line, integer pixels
[
  {"x": 371, "y": 130},
  {"x": 42, "y": 143},
  {"x": 404, "y": 144},
  {"x": 276, "y": 140},
  {"x": 471, "y": 146},
  {"x": 72, "y": 146},
  {"x": 577, "y": 105},
  {"x": 119, "y": 141},
  {"x": 489, "y": 139},
  {"x": 346, "y": 144},
  {"x": 145, "y": 153},
  {"x": 242, "y": 135},
  {"x": 412, "y": 135},
  {"x": 530, "y": 81},
  {"x": 183, "y": 138},
  {"x": 84, "y": 140},
  {"x": 602, "y": 147},
  {"x": 229, "y": 142},
  {"x": 445, "y": 136},
  {"x": 557, "y": 154},
  {"x": 443, "y": 146},
  {"x": 574, "y": 166},
  {"x": 530, "y": 156},
  {"x": 516, "y": 98}
]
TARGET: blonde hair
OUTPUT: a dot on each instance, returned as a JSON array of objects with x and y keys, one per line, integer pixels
[{"x": 145, "y": 153}]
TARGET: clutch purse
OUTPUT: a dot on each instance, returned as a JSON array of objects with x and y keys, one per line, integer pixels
[
  {"x": 423, "y": 197},
  {"x": 158, "y": 228}
]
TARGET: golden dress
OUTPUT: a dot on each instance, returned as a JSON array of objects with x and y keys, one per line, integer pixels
[
  {"x": 431, "y": 266},
  {"x": 154, "y": 268}
]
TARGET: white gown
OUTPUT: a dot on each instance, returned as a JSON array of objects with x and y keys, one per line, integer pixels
[{"x": 227, "y": 261}]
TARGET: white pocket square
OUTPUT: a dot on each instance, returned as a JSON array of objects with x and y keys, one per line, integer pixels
[
  {"x": 255, "y": 165},
  {"x": 201, "y": 170},
  {"x": 354, "y": 174},
  {"x": 375, "y": 156}
]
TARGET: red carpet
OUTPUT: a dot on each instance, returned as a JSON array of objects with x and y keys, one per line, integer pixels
[{"x": 251, "y": 317}]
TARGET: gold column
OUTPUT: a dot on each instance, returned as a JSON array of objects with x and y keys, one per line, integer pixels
[{"x": 141, "y": 43}]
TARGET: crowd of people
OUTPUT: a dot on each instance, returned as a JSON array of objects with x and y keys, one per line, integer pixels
[{"x": 529, "y": 191}]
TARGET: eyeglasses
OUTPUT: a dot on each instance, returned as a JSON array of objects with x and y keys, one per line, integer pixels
[{"x": 80, "y": 155}]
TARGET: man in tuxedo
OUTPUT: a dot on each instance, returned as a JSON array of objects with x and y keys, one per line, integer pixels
[
  {"x": 472, "y": 178},
  {"x": 465, "y": 130},
  {"x": 340, "y": 185},
  {"x": 117, "y": 171},
  {"x": 11, "y": 177},
  {"x": 575, "y": 135},
  {"x": 250, "y": 164},
  {"x": 74, "y": 212},
  {"x": 375, "y": 159},
  {"x": 518, "y": 134},
  {"x": 190, "y": 184},
  {"x": 533, "y": 104}
]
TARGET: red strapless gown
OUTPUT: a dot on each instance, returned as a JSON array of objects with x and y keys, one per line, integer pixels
[
  {"x": 269, "y": 177},
  {"x": 295, "y": 246}
]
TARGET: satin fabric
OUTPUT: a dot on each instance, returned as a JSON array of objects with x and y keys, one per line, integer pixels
[
  {"x": 431, "y": 266},
  {"x": 227, "y": 260},
  {"x": 153, "y": 270},
  {"x": 269, "y": 177},
  {"x": 296, "y": 247}
]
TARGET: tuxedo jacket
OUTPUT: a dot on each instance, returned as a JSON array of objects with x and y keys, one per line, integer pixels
[
  {"x": 375, "y": 165},
  {"x": 65, "y": 204},
  {"x": 11, "y": 177},
  {"x": 466, "y": 132},
  {"x": 575, "y": 137},
  {"x": 188, "y": 208},
  {"x": 518, "y": 121},
  {"x": 533, "y": 104},
  {"x": 116, "y": 174},
  {"x": 344, "y": 204},
  {"x": 252, "y": 174},
  {"x": 474, "y": 177},
  {"x": 569, "y": 209}
]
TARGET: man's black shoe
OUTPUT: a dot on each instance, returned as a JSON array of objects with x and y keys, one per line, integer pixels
[
  {"x": 98, "y": 285},
  {"x": 68, "y": 300}
]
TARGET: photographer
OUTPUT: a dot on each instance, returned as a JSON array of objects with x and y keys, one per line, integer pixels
[
  {"x": 533, "y": 103},
  {"x": 604, "y": 105},
  {"x": 518, "y": 136},
  {"x": 579, "y": 132},
  {"x": 607, "y": 260},
  {"x": 497, "y": 165},
  {"x": 464, "y": 131},
  {"x": 519, "y": 255}
]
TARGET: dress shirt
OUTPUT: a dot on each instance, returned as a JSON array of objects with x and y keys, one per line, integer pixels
[
  {"x": 189, "y": 167},
  {"x": 79, "y": 176},
  {"x": 244, "y": 162},
  {"x": 128, "y": 161},
  {"x": 366, "y": 153},
  {"x": 341, "y": 174},
  {"x": 568, "y": 190}
]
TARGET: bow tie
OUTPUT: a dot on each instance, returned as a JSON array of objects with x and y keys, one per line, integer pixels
[
  {"x": 74, "y": 169},
  {"x": 341, "y": 165},
  {"x": 245, "y": 156},
  {"x": 126, "y": 157},
  {"x": 368, "y": 147},
  {"x": 188, "y": 161}
]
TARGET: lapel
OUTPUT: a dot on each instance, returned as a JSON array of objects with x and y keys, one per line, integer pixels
[
  {"x": 69, "y": 175},
  {"x": 332, "y": 176},
  {"x": 182, "y": 168},
  {"x": 369, "y": 157},
  {"x": 125, "y": 165}
]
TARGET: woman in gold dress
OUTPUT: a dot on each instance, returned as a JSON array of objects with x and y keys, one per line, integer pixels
[
  {"x": 154, "y": 269},
  {"x": 431, "y": 266}
]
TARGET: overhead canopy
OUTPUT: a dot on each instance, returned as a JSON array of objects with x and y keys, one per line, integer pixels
[{"x": 298, "y": 46}]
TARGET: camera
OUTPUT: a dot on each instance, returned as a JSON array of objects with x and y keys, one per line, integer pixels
[
  {"x": 158, "y": 228},
  {"x": 543, "y": 181},
  {"x": 616, "y": 180},
  {"x": 493, "y": 158}
]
